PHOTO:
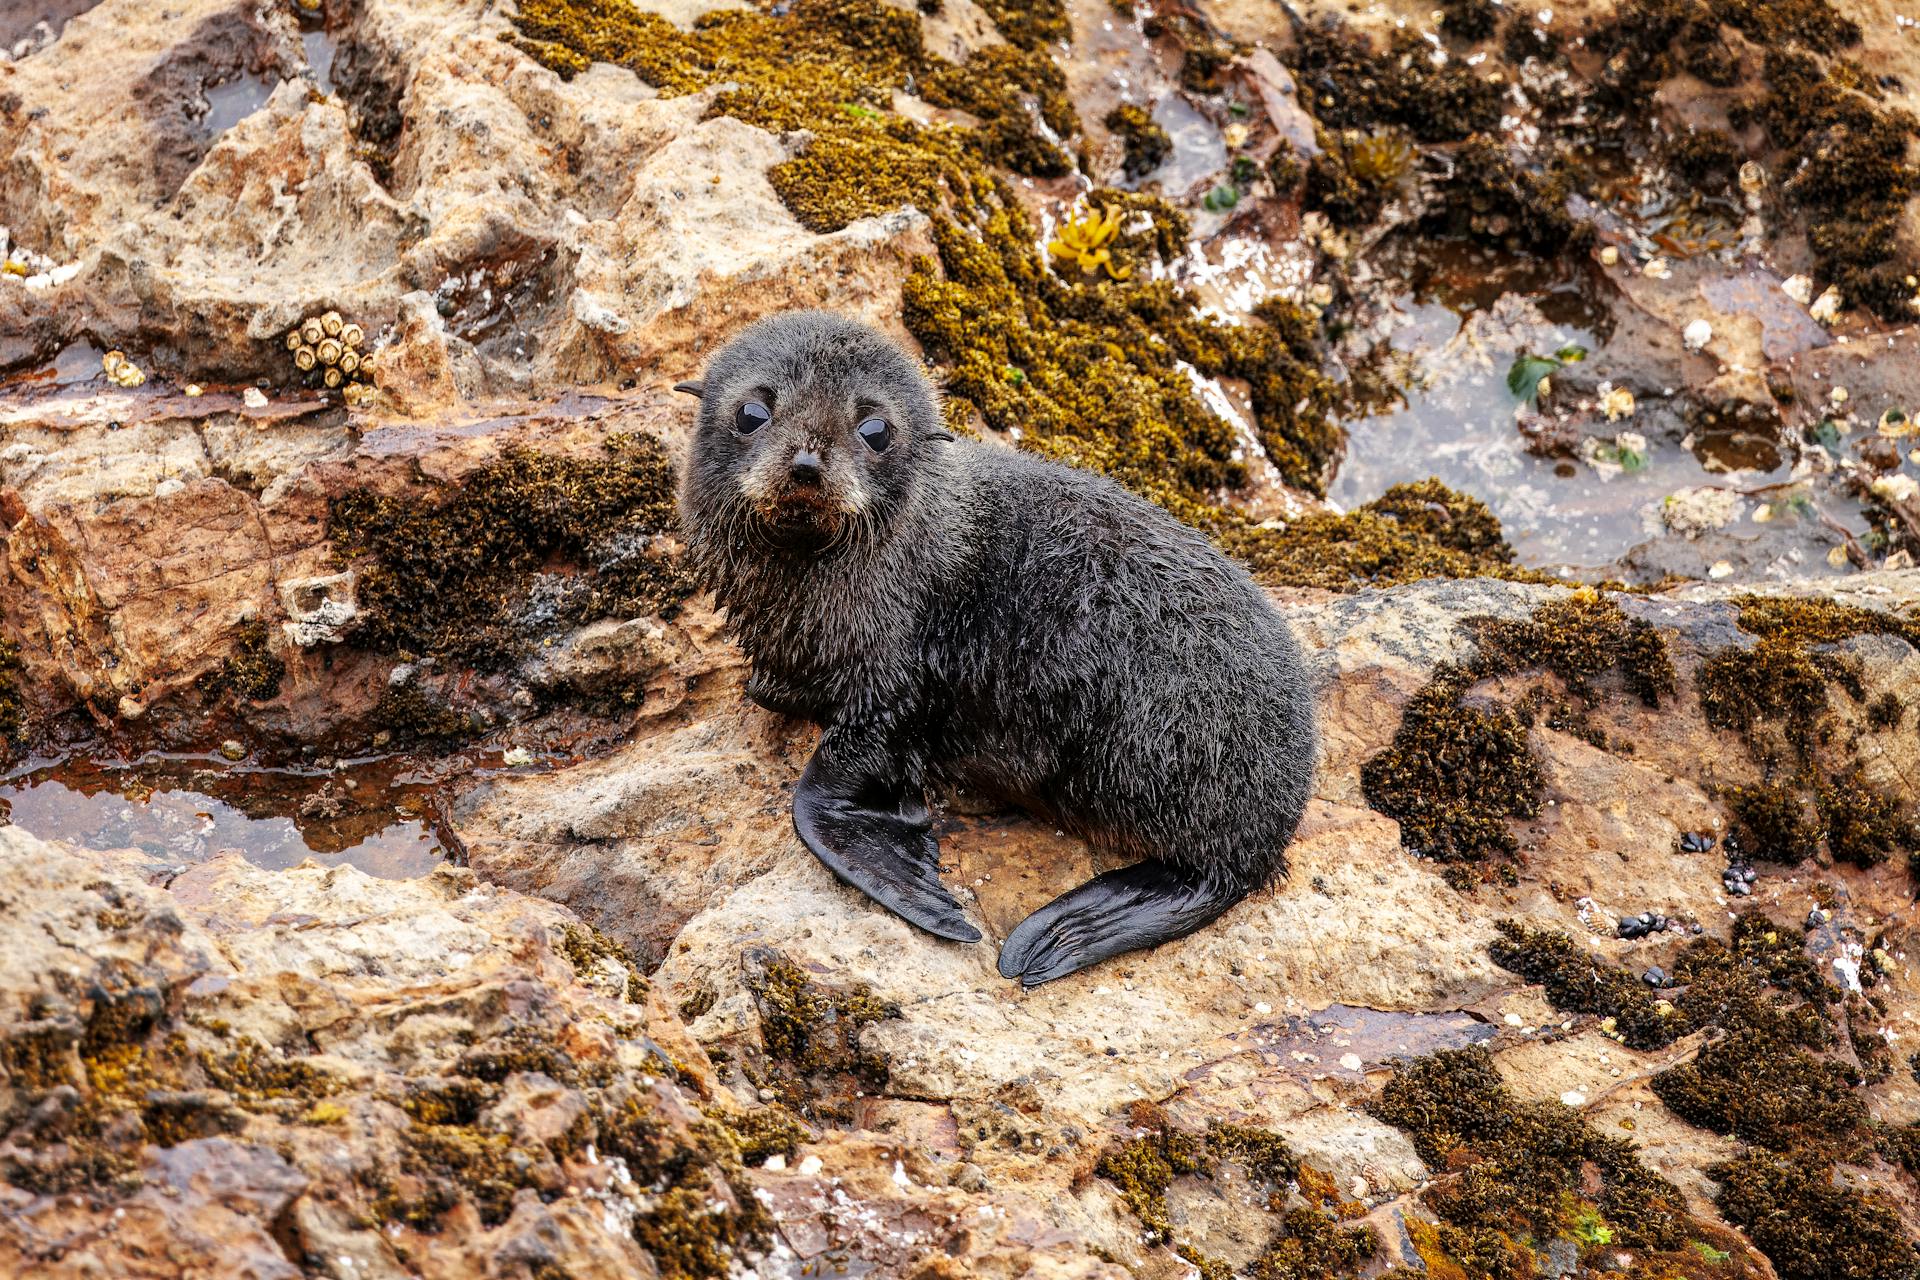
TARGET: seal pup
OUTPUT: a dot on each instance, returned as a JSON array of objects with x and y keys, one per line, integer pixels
[{"x": 954, "y": 613}]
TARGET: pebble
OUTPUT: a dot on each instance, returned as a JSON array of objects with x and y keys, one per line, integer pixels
[
  {"x": 514, "y": 757},
  {"x": 254, "y": 398},
  {"x": 1698, "y": 334},
  {"x": 1641, "y": 925}
]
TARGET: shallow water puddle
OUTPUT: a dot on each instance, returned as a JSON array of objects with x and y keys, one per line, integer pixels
[
  {"x": 1350, "y": 1040},
  {"x": 320, "y": 48},
  {"x": 230, "y": 103},
  {"x": 376, "y": 816},
  {"x": 1465, "y": 316}
]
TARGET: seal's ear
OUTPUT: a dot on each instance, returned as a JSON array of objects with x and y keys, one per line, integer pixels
[{"x": 694, "y": 389}]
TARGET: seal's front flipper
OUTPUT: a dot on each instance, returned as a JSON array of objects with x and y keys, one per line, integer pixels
[
  {"x": 889, "y": 854},
  {"x": 1138, "y": 906}
]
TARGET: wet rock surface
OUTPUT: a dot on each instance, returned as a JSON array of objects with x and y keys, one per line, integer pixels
[{"x": 1594, "y": 953}]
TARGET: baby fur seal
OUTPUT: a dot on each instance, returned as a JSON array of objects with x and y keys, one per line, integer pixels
[{"x": 956, "y": 613}]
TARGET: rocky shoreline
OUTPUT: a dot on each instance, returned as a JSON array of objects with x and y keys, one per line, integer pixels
[{"x": 1594, "y": 957}]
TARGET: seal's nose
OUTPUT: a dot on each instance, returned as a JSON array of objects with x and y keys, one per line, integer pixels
[{"x": 805, "y": 467}]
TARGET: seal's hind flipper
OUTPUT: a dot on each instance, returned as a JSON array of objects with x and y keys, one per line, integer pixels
[
  {"x": 888, "y": 854},
  {"x": 1138, "y": 906}
]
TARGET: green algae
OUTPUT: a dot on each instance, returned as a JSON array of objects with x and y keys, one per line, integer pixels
[{"x": 460, "y": 574}]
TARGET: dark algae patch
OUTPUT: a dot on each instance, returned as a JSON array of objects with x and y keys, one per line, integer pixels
[
  {"x": 1778, "y": 696},
  {"x": 1458, "y": 771},
  {"x": 1310, "y": 1239},
  {"x": 467, "y": 575},
  {"x": 1517, "y": 1177},
  {"x": 252, "y": 671},
  {"x": 1809, "y": 1227},
  {"x": 1147, "y": 143},
  {"x": 12, "y": 711},
  {"x": 1577, "y": 981},
  {"x": 1775, "y": 1074}
]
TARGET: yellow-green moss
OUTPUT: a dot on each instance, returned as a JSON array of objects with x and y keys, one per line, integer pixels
[
  {"x": 1306, "y": 1243},
  {"x": 1087, "y": 370},
  {"x": 811, "y": 1027},
  {"x": 1417, "y": 530},
  {"x": 585, "y": 947},
  {"x": 456, "y": 574},
  {"x": 765, "y": 1131}
]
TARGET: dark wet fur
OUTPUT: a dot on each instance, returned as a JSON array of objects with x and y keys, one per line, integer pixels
[{"x": 993, "y": 620}]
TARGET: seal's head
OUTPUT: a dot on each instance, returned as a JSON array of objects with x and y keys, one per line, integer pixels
[{"x": 812, "y": 431}]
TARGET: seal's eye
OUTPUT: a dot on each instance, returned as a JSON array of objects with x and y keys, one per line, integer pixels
[
  {"x": 750, "y": 417},
  {"x": 876, "y": 434}
]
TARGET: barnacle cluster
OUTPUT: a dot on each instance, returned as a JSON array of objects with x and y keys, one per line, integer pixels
[
  {"x": 121, "y": 371},
  {"x": 1085, "y": 240},
  {"x": 327, "y": 349}
]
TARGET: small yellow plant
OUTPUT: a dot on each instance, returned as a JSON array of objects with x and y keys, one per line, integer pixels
[{"x": 1085, "y": 241}]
